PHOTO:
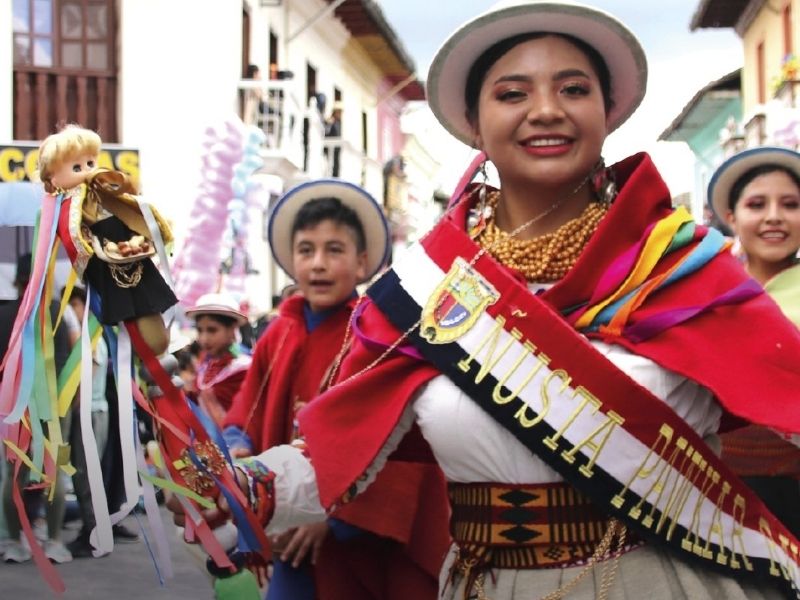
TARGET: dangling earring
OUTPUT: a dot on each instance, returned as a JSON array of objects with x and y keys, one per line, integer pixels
[
  {"x": 481, "y": 211},
  {"x": 603, "y": 183}
]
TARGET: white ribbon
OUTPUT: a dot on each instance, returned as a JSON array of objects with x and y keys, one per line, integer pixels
[
  {"x": 155, "y": 233},
  {"x": 126, "y": 425},
  {"x": 101, "y": 536}
]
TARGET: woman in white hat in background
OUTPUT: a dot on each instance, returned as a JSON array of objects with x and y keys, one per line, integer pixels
[
  {"x": 222, "y": 367},
  {"x": 565, "y": 345},
  {"x": 757, "y": 192}
]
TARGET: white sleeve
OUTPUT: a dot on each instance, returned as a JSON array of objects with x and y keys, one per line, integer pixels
[
  {"x": 692, "y": 402},
  {"x": 296, "y": 496}
]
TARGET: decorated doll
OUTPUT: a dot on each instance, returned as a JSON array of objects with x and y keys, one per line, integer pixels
[
  {"x": 105, "y": 230},
  {"x": 110, "y": 236}
]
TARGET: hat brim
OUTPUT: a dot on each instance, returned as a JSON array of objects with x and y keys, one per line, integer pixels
[
  {"x": 376, "y": 229},
  {"x": 216, "y": 309},
  {"x": 622, "y": 52},
  {"x": 730, "y": 171}
]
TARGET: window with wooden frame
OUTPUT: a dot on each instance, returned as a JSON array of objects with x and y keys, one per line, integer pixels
[{"x": 64, "y": 66}]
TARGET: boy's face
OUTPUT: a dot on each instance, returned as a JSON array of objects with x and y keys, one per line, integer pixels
[{"x": 326, "y": 264}]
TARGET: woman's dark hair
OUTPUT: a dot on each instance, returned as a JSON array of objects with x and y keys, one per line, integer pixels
[
  {"x": 477, "y": 73},
  {"x": 221, "y": 319},
  {"x": 317, "y": 210},
  {"x": 251, "y": 71},
  {"x": 741, "y": 183}
]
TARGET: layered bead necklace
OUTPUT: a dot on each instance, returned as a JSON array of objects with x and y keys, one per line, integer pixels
[{"x": 545, "y": 258}]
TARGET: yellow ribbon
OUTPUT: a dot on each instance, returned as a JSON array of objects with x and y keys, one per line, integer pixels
[{"x": 177, "y": 489}]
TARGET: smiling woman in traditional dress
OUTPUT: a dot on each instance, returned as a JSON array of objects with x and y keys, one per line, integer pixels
[
  {"x": 563, "y": 344},
  {"x": 757, "y": 192}
]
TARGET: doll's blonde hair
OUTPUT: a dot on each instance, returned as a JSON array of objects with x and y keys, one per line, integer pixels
[{"x": 59, "y": 147}]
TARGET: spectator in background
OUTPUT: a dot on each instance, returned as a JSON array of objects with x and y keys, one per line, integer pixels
[
  {"x": 253, "y": 99},
  {"x": 187, "y": 366},
  {"x": 333, "y": 129},
  {"x": 17, "y": 549},
  {"x": 80, "y": 546}
]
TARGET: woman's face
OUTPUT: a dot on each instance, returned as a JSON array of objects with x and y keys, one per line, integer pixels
[
  {"x": 541, "y": 117},
  {"x": 766, "y": 218}
]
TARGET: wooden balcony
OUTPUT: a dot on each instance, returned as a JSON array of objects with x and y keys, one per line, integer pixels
[{"x": 45, "y": 100}]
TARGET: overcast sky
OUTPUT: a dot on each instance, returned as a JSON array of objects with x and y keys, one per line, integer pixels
[{"x": 680, "y": 63}]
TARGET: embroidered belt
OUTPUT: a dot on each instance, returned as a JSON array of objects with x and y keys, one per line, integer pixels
[{"x": 509, "y": 526}]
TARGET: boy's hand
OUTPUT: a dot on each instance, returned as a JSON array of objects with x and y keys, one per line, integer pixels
[
  {"x": 295, "y": 544},
  {"x": 239, "y": 452},
  {"x": 213, "y": 516}
]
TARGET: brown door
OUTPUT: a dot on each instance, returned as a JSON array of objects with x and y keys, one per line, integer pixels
[{"x": 65, "y": 67}]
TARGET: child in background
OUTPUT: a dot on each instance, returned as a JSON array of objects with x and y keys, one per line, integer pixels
[
  {"x": 221, "y": 369},
  {"x": 329, "y": 236}
]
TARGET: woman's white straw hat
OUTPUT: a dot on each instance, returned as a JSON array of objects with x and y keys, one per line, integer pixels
[
  {"x": 217, "y": 304},
  {"x": 369, "y": 212},
  {"x": 730, "y": 171},
  {"x": 619, "y": 48}
]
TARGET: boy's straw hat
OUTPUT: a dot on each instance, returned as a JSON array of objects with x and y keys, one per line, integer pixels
[
  {"x": 622, "y": 52},
  {"x": 729, "y": 172},
  {"x": 217, "y": 304},
  {"x": 376, "y": 229}
]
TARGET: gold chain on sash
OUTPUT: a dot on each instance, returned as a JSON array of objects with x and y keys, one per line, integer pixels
[{"x": 478, "y": 255}]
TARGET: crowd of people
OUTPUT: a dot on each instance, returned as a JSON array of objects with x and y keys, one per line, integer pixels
[{"x": 567, "y": 389}]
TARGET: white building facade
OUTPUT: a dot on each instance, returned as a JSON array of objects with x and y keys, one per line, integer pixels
[{"x": 174, "y": 69}]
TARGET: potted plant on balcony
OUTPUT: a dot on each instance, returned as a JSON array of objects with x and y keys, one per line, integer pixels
[{"x": 783, "y": 84}]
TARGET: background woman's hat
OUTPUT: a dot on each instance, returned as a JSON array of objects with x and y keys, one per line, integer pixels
[
  {"x": 217, "y": 304},
  {"x": 376, "y": 229},
  {"x": 624, "y": 56},
  {"x": 730, "y": 171}
]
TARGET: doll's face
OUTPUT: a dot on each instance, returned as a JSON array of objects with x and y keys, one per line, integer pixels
[{"x": 73, "y": 171}]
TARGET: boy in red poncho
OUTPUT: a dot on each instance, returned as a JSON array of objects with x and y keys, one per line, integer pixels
[{"x": 329, "y": 236}]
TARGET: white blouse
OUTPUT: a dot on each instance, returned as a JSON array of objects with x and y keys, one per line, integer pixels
[{"x": 469, "y": 445}]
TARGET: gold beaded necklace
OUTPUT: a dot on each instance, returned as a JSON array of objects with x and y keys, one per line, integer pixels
[{"x": 545, "y": 258}]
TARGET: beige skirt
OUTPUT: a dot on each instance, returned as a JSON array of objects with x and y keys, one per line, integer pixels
[{"x": 644, "y": 572}]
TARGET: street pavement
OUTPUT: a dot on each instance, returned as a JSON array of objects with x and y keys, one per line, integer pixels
[{"x": 127, "y": 573}]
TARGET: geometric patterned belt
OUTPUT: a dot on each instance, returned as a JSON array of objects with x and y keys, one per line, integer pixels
[{"x": 509, "y": 526}]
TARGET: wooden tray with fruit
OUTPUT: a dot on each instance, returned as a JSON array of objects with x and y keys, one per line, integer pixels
[{"x": 123, "y": 252}]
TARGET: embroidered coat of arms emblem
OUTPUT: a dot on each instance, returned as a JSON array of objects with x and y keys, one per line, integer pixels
[{"x": 456, "y": 304}]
